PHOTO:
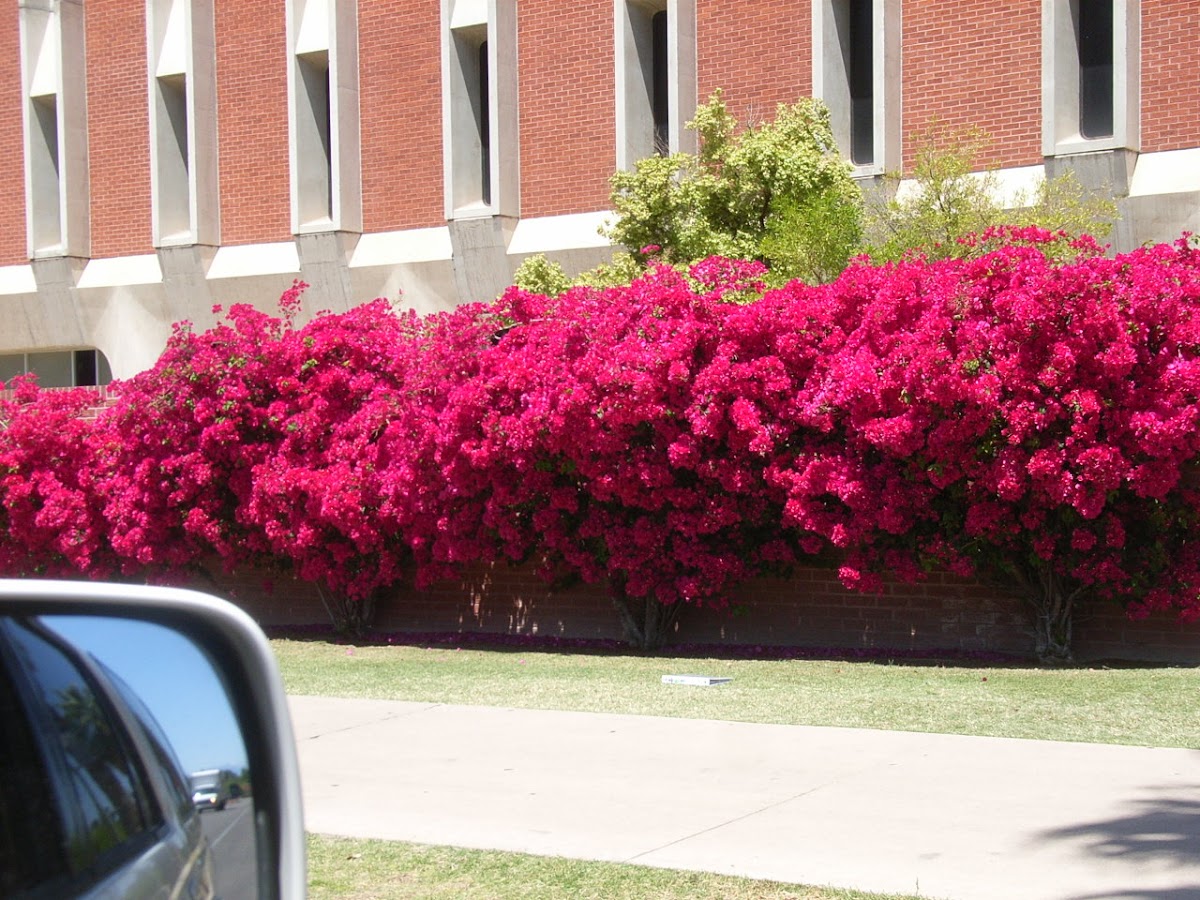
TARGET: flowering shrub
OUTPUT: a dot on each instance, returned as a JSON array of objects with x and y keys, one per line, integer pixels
[
  {"x": 1029, "y": 421},
  {"x": 51, "y": 520},
  {"x": 191, "y": 430},
  {"x": 317, "y": 488},
  {"x": 572, "y": 444},
  {"x": 1025, "y": 414}
]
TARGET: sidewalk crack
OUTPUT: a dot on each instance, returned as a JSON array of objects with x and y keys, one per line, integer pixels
[
  {"x": 386, "y": 718},
  {"x": 727, "y": 822}
]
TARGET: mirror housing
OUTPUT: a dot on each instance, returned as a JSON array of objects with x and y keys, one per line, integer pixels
[{"x": 243, "y": 661}]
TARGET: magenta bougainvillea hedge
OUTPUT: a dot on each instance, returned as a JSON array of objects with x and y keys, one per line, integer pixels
[{"x": 1019, "y": 417}]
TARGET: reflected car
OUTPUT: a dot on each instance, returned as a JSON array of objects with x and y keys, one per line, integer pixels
[
  {"x": 210, "y": 789},
  {"x": 94, "y": 802}
]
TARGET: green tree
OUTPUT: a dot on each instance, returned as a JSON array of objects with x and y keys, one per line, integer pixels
[
  {"x": 778, "y": 192},
  {"x": 946, "y": 199},
  {"x": 539, "y": 275}
]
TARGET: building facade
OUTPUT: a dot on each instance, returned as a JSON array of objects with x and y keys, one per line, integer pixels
[{"x": 168, "y": 155}]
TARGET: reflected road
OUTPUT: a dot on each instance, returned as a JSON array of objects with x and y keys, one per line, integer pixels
[{"x": 230, "y": 834}]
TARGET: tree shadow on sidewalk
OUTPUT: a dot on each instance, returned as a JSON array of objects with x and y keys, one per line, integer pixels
[{"x": 1161, "y": 832}]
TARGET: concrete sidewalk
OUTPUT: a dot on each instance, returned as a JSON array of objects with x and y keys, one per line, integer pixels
[{"x": 937, "y": 815}]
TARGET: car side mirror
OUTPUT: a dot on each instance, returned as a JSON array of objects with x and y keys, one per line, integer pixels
[{"x": 148, "y": 743}]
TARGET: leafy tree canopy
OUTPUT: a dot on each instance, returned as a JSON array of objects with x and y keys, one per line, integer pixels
[
  {"x": 780, "y": 193},
  {"x": 776, "y": 192},
  {"x": 947, "y": 199}
]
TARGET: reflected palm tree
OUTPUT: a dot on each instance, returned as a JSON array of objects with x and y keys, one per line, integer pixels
[{"x": 108, "y": 791}]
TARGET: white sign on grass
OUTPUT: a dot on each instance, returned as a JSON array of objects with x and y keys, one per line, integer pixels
[{"x": 701, "y": 680}]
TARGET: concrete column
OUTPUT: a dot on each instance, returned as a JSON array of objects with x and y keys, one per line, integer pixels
[
  {"x": 185, "y": 282},
  {"x": 481, "y": 265},
  {"x": 325, "y": 266},
  {"x": 55, "y": 320}
]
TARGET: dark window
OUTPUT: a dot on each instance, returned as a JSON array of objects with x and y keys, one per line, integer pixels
[
  {"x": 174, "y": 94},
  {"x": 31, "y": 836},
  {"x": 85, "y": 368},
  {"x": 325, "y": 127},
  {"x": 659, "y": 74},
  {"x": 315, "y": 130},
  {"x": 113, "y": 814},
  {"x": 46, "y": 111},
  {"x": 11, "y": 366},
  {"x": 485, "y": 126},
  {"x": 860, "y": 68},
  {"x": 44, "y": 171},
  {"x": 1094, "y": 37},
  {"x": 174, "y": 201},
  {"x": 58, "y": 368}
]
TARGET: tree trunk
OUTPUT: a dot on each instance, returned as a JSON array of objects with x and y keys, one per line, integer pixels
[
  {"x": 647, "y": 623},
  {"x": 352, "y": 618},
  {"x": 203, "y": 574},
  {"x": 1053, "y": 615}
]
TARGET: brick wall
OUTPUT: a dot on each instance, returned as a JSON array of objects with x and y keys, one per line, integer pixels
[
  {"x": 965, "y": 62},
  {"x": 400, "y": 90},
  {"x": 1170, "y": 74},
  {"x": 975, "y": 63},
  {"x": 567, "y": 105},
  {"x": 810, "y": 610},
  {"x": 814, "y": 610},
  {"x": 252, "y": 121},
  {"x": 13, "y": 244},
  {"x": 758, "y": 52},
  {"x": 118, "y": 128}
]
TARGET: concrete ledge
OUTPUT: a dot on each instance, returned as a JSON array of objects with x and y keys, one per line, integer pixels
[
  {"x": 117, "y": 271},
  {"x": 1169, "y": 172},
  {"x": 244, "y": 260},
  {"x": 1016, "y": 186},
  {"x": 548, "y": 234},
  {"x": 1013, "y": 187},
  {"x": 17, "y": 280},
  {"x": 397, "y": 248}
]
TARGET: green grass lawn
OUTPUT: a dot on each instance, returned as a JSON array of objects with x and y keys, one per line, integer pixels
[
  {"x": 352, "y": 869},
  {"x": 1139, "y": 706}
]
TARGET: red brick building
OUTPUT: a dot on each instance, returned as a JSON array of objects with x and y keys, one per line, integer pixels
[{"x": 166, "y": 155}]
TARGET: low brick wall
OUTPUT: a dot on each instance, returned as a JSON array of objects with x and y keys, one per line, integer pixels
[{"x": 809, "y": 610}]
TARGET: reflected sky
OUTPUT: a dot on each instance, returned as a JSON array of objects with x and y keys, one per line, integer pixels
[{"x": 174, "y": 679}]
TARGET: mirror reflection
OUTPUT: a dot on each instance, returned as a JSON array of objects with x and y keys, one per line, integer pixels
[{"x": 122, "y": 765}]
